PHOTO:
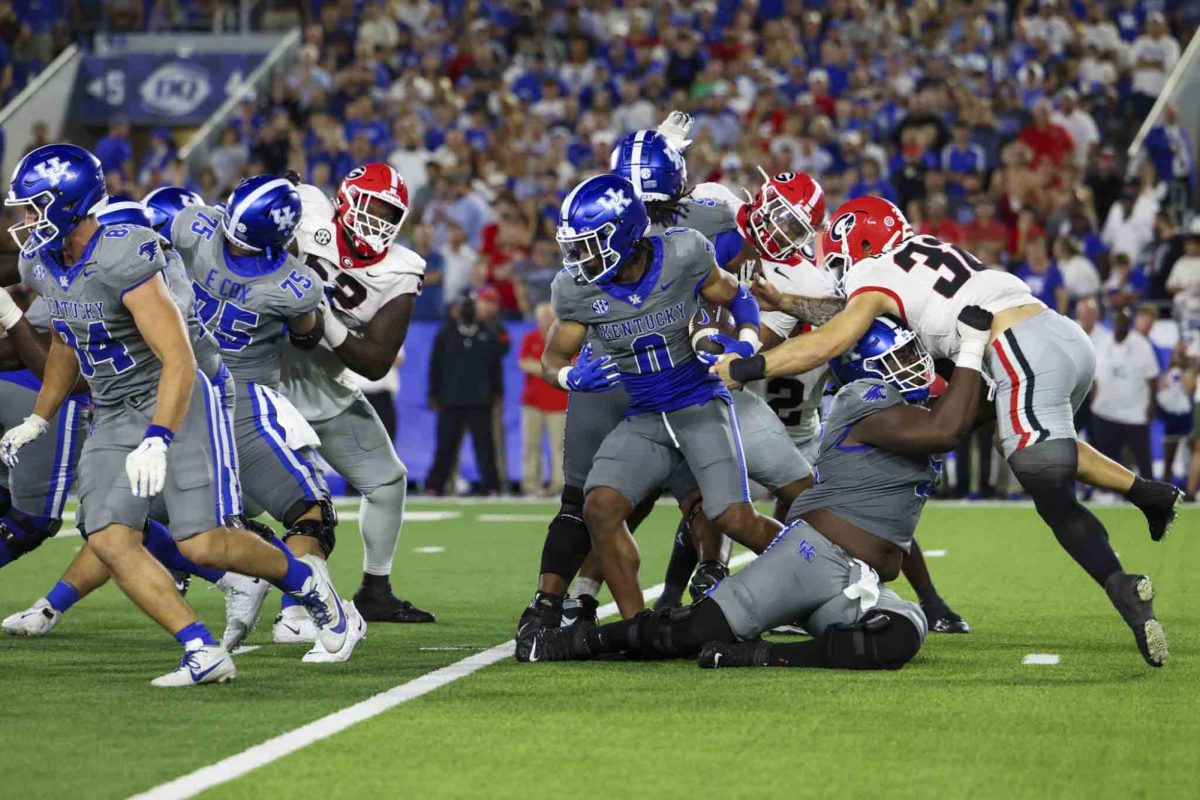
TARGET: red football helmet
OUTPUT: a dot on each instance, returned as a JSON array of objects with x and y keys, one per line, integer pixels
[
  {"x": 785, "y": 214},
  {"x": 372, "y": 203},
  {"x": 862, "y": 227}
]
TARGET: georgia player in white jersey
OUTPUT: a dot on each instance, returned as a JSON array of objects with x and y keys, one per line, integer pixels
[
  {"x": 372, "y": 285},
  {"x": 781, "y": 221},
  {"x": 1041, "y": 363}
]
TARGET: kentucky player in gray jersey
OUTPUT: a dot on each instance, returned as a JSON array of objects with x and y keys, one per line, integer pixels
[
  {"x": 253, "y": 296},
  {"x": 879, "y": 460},
  {"x": 639, "y": 294},
  {"x": 118, "y": 325}
]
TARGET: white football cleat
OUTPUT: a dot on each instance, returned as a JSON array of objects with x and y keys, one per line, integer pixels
[
  {"x": 356, "y": 628},
  {"x": 243, "y": 600},
  {"x": 324, "y": 605},
  {"x": 201, "y": 663},
  {"x": 294, "y": 626},
  {"x": 37, "y": 620}
]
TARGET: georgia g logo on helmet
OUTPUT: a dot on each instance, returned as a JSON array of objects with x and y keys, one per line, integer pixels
[{"x": 840, "y": 228}]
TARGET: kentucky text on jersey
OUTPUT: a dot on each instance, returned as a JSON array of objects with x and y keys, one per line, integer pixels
[
  {"x": 648, "y": 322},
  {"x": 68, "y": 309},
  {"x": 230, "y": 289}
]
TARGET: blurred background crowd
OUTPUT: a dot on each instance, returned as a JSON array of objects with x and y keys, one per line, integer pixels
[{"x": 1001, "y": 126}]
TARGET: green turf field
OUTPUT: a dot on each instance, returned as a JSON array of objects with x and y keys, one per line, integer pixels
[{"x": 78, "y": 717}]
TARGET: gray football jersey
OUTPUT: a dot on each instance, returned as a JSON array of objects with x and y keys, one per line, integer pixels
[
  {"x": 708, "y": 217},
  {"x": 87, "y": 312},
  {"x": 879, "y": 491},
  {"x": 644, "y": 326},
  {"x": 246, "y": 313}
]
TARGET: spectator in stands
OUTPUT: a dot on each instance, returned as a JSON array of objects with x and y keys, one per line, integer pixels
[
  {"x": 1130, "y": 224},
  {"x": 1048, "y": 140},
  {"x": 465, "y": 389},
  {"x": 1080, "y": 277},
  {"x": 409, "y": 154},
  {"x": 462, "y": 267},
  {"x": 1125, "y": 285},
  {"x": 1126, "y": 378},
  {"x": 1153, "y": 56},
  {"x": 986, "y": 236},
  {"x": 229, "y": 160},
  {"x": 1184, "y": 281},
  {"x": 1175, "y": 409},
  {"x": 870, "y": 181},
  {"x": 158, "y": 158},
  {"x": 962, "y": 157},
  {"x": 534, "y": 275},
  {"x": 937, "y": 222},
  {"x": 1042, "y": 276},
  {"x": 1087, "y": 314},
  {"x": 1166, "y": 249},
  {"x": 1105, "y": 181},
  {"x": 1169, "y": 146},
  {"x": 1079, "y": 124},
  {"x": 115, "y": 151},
  {"x": 543, "y": 414}
]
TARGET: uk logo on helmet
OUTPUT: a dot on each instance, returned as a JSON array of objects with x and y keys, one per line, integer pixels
[
  {"x": 284, "y": 219},
  {"x": 615, "y": 200},
  {"x": 53, "y": 170},
  {"x": 841, "y": 227}
]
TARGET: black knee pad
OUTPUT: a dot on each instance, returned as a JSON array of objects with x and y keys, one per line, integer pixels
[
  {"x": 567, "y": 543},
  {"x": 572, "y": 500},
  {"x": 680, "y": 632},
  {"x": 1046, "y": 466},
  {"x": 323, "y": 530},
  {"x": 880, "y": 640},
  {"x": 260, "y": 529},
  {"x": 23, "y": 534}
]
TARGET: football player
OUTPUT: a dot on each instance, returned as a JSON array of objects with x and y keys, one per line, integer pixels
[
  {"x": 878, "y": 461},
  {"x": 373, "y": 284},
  {"x": 120, "y": 325},
  {"x": 639, "y": 293},
  {"x": 781, "y": 220},
  {"x": 1042, "y": 365}
]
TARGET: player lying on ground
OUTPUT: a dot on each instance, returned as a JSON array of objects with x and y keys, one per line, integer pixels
[
  {"x": 123, "y": 327},
  {"x": 1042, "y": 364},
  {"x": 879, "y": 460}
]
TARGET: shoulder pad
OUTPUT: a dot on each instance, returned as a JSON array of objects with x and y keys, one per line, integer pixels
[
  {"x": 717, "y": 192},
  {"x": 317, "y": 209}
]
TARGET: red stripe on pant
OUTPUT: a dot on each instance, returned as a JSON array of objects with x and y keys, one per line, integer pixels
[{"x": 1006, "y": 362}]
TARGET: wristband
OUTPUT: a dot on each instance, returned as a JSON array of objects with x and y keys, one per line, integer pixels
[
  {"x": 745, "y": 370},
  {"x": 335, "y": 331},
  {"x": 160, "y": 432},
  {"x": 10, "y": 312},
  {"x": 970, "y": 354},
  {"x": 750, "y": 336},
  {"x": 563, "y": 374}
]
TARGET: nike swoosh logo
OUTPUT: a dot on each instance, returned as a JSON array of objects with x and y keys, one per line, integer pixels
[
  {"x": 87, "y": 273},
  {"x": 199, "y": 676},
  {"x": 780, "y": 272},
  {"x": 295, "y": 631},
  {"x": 341, "y": 626},
  {"x": 667, "y": 285},
  {"x": 716, "y": 659},
  {"x": 533, "y": 651}
]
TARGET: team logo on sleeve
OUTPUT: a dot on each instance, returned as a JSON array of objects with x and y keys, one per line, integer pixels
[
  {"x": 874, "y": 394},
  {"x": 322, "y": 236},
  {"x": 841, "y": 227},
  {"x": 148, "y": 251},
  {"x": 600, "y": 306}
]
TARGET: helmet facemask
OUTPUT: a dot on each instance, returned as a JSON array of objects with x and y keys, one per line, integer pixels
[
  {"x": 373, "y": 219},
  {"x": 906, "y": 365},
  {"x": 37, "y": 230},
  {"x": 779, "y": 227},
  {"x": 588, "y": 254}
]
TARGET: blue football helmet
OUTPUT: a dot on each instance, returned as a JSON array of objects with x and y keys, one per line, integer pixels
[
  {"x": 262, "y": 214},
  {"x": 600, "y": 223},
  {"x": 655, "y": 168},
  {"x": 60, "y": 185},
  {"x": 124, "y": 210},
  {"x": 167, "y": 201},
  {"x": 890, "y": 352}
]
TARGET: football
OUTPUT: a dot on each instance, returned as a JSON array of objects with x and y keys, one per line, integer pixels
[{"x": 708, "y": 320}]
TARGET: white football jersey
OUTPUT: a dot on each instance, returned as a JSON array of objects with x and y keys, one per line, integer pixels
[
  {"x": 795, "y": 398},
  {"x": 931, "y": 282},
  {"x": 317, "y": 382}
]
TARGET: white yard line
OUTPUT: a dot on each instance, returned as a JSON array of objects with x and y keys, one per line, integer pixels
[
  {"x": 429, "y": 550},
  {"x": 1041, "y": 660},
  {"x": 274, "y": 749},
  {"x": 512, "y": 518},
  {"x": 934, "y": 553}
]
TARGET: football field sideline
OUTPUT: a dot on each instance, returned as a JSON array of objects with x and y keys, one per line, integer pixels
[{"x": 235, "y": 766}]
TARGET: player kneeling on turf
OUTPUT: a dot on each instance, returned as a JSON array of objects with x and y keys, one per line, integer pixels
[{"x": 879, "y": 460}]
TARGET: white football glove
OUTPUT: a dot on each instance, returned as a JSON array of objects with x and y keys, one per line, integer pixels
[
  {"x": 10, "y": 313},
  {"x": 21, "y": 435},
  {"x": 974, "y": 330},
  {"x": 335, "y": 330},
  {"x": 147, "y": 467},
  {"x": 675, "y": 129}
]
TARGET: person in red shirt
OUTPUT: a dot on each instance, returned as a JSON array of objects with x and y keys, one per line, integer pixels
[
  {"x": 937, "y": 223},
  {"x": 986, "y": 236},
  {"x": 1048, "y": 140},
  {"x": 543, "y": 412}
]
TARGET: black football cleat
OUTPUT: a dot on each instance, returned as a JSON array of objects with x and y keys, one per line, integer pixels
[
  {"x": 579, "y": 610},
  {"x": 560, "y": 644},
  {"x": 378, "y": 604},
  {"x": 545, "y": 611},
  {"x": 1162, "y": 509},
  {"x": 708, "y": 575},
  {"x": 733, "y": 654},
  {"x": 1133, "y": 596},
  {"x": 942, "y": 619}
]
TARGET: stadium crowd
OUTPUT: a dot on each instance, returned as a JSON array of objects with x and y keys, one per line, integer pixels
[{"x": 1001, "y": 126}]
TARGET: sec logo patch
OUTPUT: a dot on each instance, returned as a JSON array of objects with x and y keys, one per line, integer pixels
[
  {"x": 323, "y": 236},
  {"x": 600, "y": 305}
]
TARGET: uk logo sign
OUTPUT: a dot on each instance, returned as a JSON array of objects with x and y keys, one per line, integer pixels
[{"x": 175, "y": 89}]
